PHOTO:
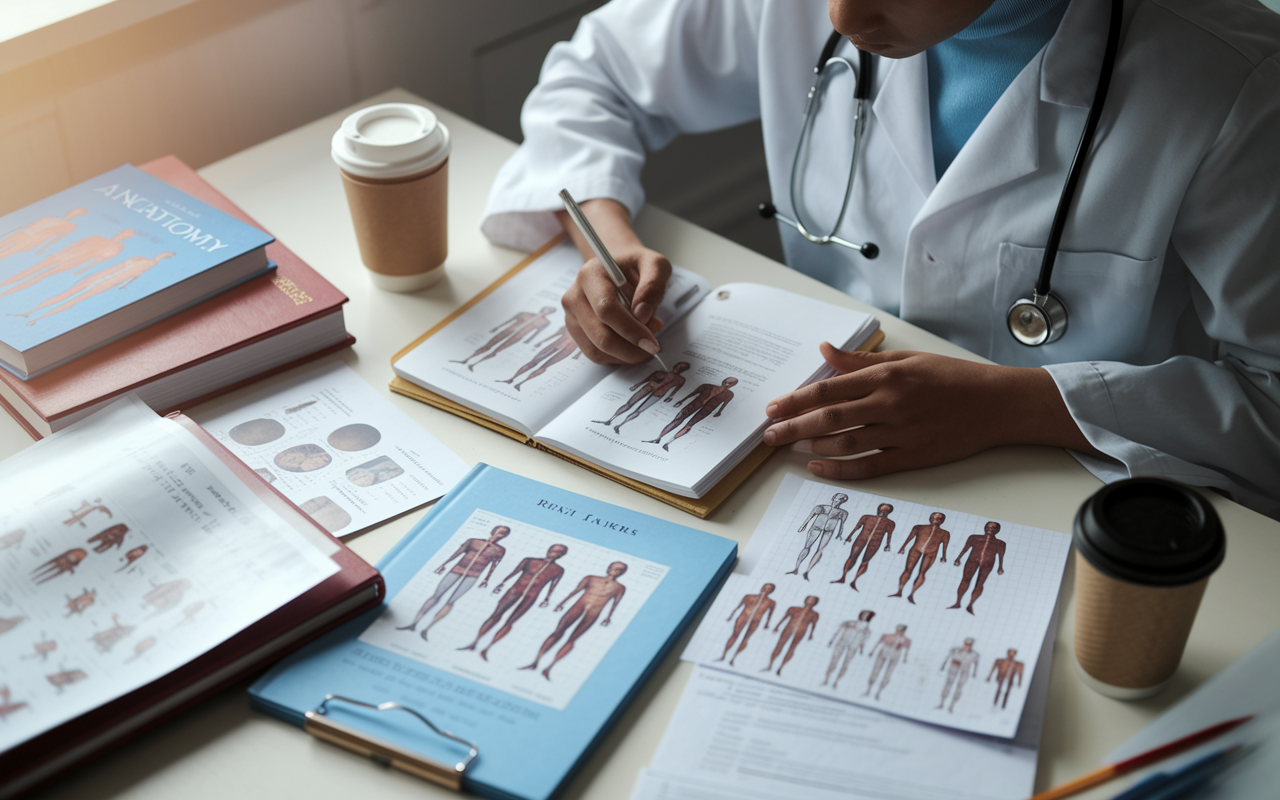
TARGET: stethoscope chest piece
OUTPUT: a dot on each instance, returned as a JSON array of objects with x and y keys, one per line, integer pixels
[{"x": 1038, "y": 319}]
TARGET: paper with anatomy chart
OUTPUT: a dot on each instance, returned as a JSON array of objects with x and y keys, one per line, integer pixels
[
  {"x": 337, "y": 448},
  {"x": 946, "y": 631},
  {"x": 126, "y": 550},
  {"x": 561, "y": 595}
]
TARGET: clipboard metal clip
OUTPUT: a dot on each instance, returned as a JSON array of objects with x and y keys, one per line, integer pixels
[{"x": 319, "y": 725}]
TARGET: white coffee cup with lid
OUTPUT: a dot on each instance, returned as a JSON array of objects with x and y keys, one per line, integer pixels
[{"x": 394, "y": 160}]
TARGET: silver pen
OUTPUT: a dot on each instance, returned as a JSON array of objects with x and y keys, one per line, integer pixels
[{"x": 610, "y": 266}]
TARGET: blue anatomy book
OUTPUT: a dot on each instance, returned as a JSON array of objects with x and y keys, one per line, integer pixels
[
  {"x": 108, "y": 256},
  {"x": 522, "y": 619}
]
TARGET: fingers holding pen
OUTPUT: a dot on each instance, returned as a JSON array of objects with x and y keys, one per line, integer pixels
[{"x": 606, "y": 329}]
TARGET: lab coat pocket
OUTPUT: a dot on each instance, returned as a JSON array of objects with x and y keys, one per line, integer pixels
[{"x": 1109, "y": 299}]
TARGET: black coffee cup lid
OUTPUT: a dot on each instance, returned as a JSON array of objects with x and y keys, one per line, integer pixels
[{"x": 1150, "y": 531}]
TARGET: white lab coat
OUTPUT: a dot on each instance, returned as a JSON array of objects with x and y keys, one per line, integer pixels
[{"x": 1170, "y": 260}]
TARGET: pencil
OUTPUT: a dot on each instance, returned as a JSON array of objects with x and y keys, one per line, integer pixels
[{"x": 1139, "y": 761}]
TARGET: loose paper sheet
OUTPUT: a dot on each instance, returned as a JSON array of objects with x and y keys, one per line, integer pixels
[
  {"x": 126, "y": 550},
  {"x": 969, "y": 624},
  {"x": 337, "y": 448}
]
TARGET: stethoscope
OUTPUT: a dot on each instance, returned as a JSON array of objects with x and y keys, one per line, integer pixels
[{"x": 1035, "y": 320}]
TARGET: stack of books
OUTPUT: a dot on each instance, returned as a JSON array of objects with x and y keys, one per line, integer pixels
[{"x": 148, "y": 280}]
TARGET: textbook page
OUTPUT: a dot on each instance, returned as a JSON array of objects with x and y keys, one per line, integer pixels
[
  {"x": 127, "y": 549},
  {"x": 742, "y": 346},
  {"x": 511, "y": 357}
]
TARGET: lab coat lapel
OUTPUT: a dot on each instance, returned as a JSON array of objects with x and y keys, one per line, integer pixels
[{"x": 901, "y": 108}]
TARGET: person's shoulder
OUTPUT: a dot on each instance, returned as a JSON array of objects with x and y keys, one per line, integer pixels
[{"x": 1245, "y": 27}]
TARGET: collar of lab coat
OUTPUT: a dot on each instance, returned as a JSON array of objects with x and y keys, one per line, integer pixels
[{"x": 1005, "y": 146}]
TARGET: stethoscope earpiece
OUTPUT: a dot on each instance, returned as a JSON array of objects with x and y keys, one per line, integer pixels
[{"x": 1038, "y": 319}]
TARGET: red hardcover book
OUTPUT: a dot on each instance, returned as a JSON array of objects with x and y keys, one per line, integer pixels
[
  {"x": 262, "y": 327},
  {"x": 355, "y": 588}
]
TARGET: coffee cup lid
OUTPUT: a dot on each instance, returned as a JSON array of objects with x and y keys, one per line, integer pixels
[
  {"x": 390, "y": 140},
  {"x": 1150, "y": 531}
]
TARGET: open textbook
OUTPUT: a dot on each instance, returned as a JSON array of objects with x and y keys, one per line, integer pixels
[{"x": 507, "y": 360}]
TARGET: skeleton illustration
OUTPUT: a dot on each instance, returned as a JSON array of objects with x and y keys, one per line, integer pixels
[
  {"x": 65, "y": 678},
  {"x": 927, "y": 541},
  {"x": 85, "y": 509},
  {"x": 706, "y": 399},
  {"x": 9, "y": 623},
  {"x": 827, "y": 520},
  {"x": 848, "y": 641},
  {"x": 140, "y": 648},
  {"x": 561, "y": 347},
  {"x": 983, "y": 551},
  {"x": 799, "y": 620},
  {"x": 658, "y": 386},
  {"x": 891, "y": 649},
  {"x": 7, "y": 708},
  {"x": 959, "y": 663},
  {"x": 473, "y": 556},
  {"x": 597, "y": 592},
  {"x": 534, "y": 574},
  {"x": 107, "y": 639},
  {"x": 1005, "y": 669},
  {"x": 57, "y": 565},
  {"x": 111, "y": 537},
  {"x": 874, "y": 529},
  {"x": 77, "y": 605},
  {"x": 755, "y": 607},
  {"x": 132, "y": 556},
  {"x": 167, "y": 595},
  {"x": 522, "y": 325},
  {"x": 12, "y": 538}
]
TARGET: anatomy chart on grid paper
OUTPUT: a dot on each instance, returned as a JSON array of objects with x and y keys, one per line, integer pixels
[
  {"x": 338, "y": 449},
  {"x": 126, "y": 550},
  {"x": 516, "y": 607},
  {"x": 924, "y": 612}
]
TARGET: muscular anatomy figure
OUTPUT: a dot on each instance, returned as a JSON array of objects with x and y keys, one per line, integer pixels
[
  {"x": 561, "y": 347},
  {"x": 519, "y": 327},
  {"x": 891, "y": 649},
  {"x": 597, "y": 591},
  {"x": 755, "y": 607},
  {"x": 799, "y": 620},
  {"x": 473, "y": 556},
  {"x": 534, "y": 574},
  {"x": 85, "y": 254},
  {"x": 658, "y": 386},
  {"x": 848, "y": 641},
  {"x": 706, "y": 398},
  {"x": 927, "y": 540},
  {"x": 986, "y": 548},
  {"x": 874, "y": 528},
  {"x": 959, "y": 663},
  {"x": 827, "y": 520},
  {"x": 41, "y": 233},
  {"x": 116, "y": 276},
  {"x": 1005, "y": 669}
]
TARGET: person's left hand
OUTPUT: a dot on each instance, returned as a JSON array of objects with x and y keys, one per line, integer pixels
[{"x": 919, "y": 410}]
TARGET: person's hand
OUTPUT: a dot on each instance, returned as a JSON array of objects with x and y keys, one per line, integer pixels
[
  {"x": 918, "y": 410},
  {"x": 499, "y": 589},
  {"x": 1000, "y": 571},
  {"x": 604, "y": 624},
  {"x": 544, "y": 604},
  {"x": 957, "y": 562},
  {"x": 484, "y": 583},
  {"x": 440, "y": 569},
  {"x": 606, "y": 330}
]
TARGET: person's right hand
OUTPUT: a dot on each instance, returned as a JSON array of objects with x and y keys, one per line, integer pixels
[{"x": 605, "y": 329}]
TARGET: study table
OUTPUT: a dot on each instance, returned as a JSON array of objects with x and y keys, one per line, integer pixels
[{"x": 222, "y": 749}]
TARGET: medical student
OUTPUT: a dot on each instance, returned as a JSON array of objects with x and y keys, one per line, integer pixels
[{"x": 1169, "y": 259}]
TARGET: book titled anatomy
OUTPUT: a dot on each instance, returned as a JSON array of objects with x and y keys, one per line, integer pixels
[
  {"x": 108, "y": 256},
  {"x": 680, "y": 424}
]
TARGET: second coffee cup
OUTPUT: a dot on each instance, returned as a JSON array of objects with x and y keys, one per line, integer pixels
[{"x": 394, "y": 160}]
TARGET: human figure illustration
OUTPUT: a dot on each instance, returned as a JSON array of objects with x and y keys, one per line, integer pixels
[
  {"x": 871, "y": 530},
  {"x": 891, "y": 649},
  {"x": 534, "y": 574},
  {"x": 983, "y": 551},
  {"x": 41, "y": 233},
  {"x": 561, "y": 347},
  {"x": 473, "y": 556},
  {"x": 847, "y": 642},
  {"x": 827, "y": 520},
  {"x": 116, "y": 276},
  {"x": 597, "y": 591},
  {"x": 81, "y": 256},
  {"x": 959, "y": 663},
  {"x": 6, "y": 707},
  {"x": 660, "y": 385},
  {"x": 85, "y": 509},
  {"x": 522, "y": 325},
  {"x": 1005, "y": 669},
  {"x": 925, "y": 540},
  {"x": 755, "y": 607},
  {"x": 798, "y": 620},
  {"x": 707, "y": 398}
]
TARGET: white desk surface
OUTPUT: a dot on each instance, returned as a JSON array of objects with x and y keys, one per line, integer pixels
[{"x": 289, "y": 184}]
